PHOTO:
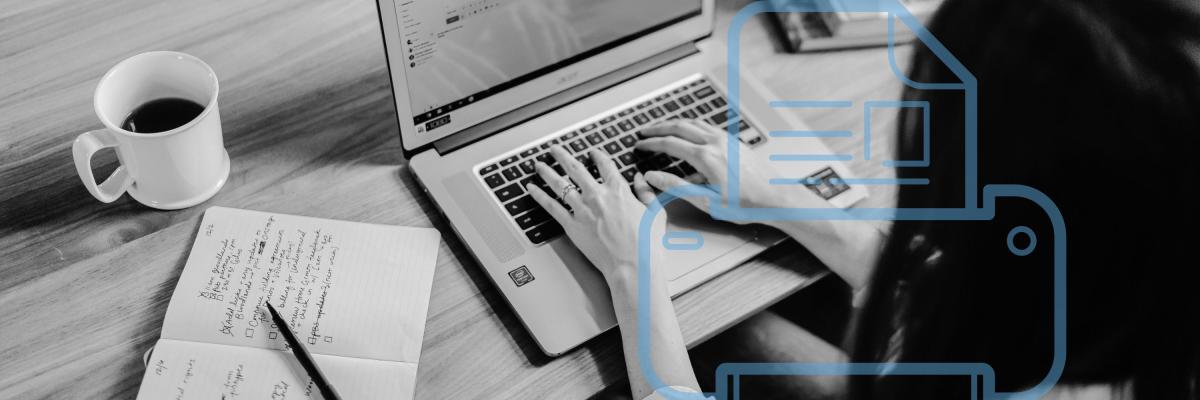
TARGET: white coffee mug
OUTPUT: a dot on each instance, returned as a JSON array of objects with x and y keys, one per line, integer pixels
[{"x": 168, "y": 170}]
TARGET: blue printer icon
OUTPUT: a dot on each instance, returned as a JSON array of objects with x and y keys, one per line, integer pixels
[{"x": 979, "y": 204}]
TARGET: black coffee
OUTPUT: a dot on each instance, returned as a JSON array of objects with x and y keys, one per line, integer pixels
[{"x": 162, "y": 115}]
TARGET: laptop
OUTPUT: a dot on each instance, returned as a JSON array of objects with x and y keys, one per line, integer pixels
[{"x": 484, "y": 88}]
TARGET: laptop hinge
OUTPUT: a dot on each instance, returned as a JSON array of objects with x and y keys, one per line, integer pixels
[{"x": 558, "y": 100}]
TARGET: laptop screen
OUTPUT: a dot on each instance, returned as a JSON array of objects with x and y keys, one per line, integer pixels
[{"x": 458, "y": 53}]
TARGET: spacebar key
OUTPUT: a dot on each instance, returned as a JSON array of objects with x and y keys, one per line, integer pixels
[{"x": 544, "y": 232}]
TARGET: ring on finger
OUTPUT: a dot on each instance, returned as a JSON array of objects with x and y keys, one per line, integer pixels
[{"x": 567, "y": 189}]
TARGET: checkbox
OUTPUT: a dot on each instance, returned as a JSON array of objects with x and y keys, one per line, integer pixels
[
  {"x": 312, "y": 340},
  {"x": 273, "y": 335},
  {"x": 329, "y": 339},
  {"x": 249, "y": 332}
]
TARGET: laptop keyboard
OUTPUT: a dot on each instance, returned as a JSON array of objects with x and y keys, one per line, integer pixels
[{"x": 615, "y": 135}]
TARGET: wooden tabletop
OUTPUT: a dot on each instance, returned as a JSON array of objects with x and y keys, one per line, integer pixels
[{"x": 310, "y": 128}]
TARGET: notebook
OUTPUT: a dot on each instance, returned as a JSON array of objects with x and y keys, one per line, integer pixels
[{"x": 356, "y": 294}]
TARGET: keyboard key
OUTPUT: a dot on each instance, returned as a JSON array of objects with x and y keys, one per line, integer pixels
[
  {"x": 612, "y": 148},
  {"x": 527, "y": 166},
  {"x": 675, "y": 171},
  {"x": 546, "y": 158},
  {"x": 718, "y": 102},
  {"x": 512, "y": 174},
  {"x": 609, "y": 132},
  {"x": 629, "y": 174},
  {"x": 494, "y": 180},
  {"x": 608, "y": 119},
  {"x": 568, "y": 136},
  {"x": 588, "y": 128},
  {"x": 742, "y": 125},
  {"x": 703, "y": 109},
  {"x": 488, "y": 169},
  {"x": 688, "y": 169},
  {"x": 532, "y": 218},
  {"x": 545, "y": 146},
  {"x": 661, "y": 97},
  {"x": 686, "y": 100},
  {"x": 595, "y": 138},
  {"x": 628, "y": 141},
  {"x": 509, "y": 160},
  {"x": 671, "y": 106},
  {"x": 626, "y": 112},
  {"x": 625, "y": 126},
  {"x": 689, "y": 114},
  {"x": 627, "y": 159},
  {"x": 544, "y": 232},
  {"x": 719, "y": 118},
  {"x": 656, "y": 112},
  {"x": 660, "y": 161},
  {"x": 559, "y": 169},
  {"x": 520, "y": 205},
  {"x": 578, "y": 145},
  {"x": 529, "y": 152},
  {"x": 641, "y": 119},
  {"x": 704, "y": 92},
  {"x": 509, "y": 192},
  {"x": 644, "y": 104},
  {"x": 536, "y": 180},
  {"x": 644, "y": 166}
]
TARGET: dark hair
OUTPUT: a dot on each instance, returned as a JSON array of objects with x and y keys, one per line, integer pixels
[{"x": 1095, "y": 103}]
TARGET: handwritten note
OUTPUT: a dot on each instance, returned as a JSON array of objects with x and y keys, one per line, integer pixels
[{"x": 356, "y": 294}]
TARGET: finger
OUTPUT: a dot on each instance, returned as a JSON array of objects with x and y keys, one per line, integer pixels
[
  {"x": 683, "y": 129},
  {"x": 608, "y": 170},
  {"x": 575, "y": 170},
  {"x": 672, "y": 146},
  {"x": 558, "y": 185},
  {"x": 642, "y": 190},
  {"x": 552, "y": 178},
  {"x": 543, "y": 199},
  {"x": 687, "y": 151},
  {"x": 664, "y": 182},
  {"x": 699, "y": 156}
]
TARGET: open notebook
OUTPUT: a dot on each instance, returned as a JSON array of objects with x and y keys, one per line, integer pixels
[{"x": 356, "y": 294}]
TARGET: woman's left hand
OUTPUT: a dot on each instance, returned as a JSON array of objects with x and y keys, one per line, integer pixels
[{"x": 605, "y": 215}]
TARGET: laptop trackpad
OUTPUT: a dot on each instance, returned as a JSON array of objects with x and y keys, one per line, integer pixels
[{"x": 694, "y": 238}]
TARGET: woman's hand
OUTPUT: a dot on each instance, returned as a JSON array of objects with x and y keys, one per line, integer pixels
[
  {"x": 603, "y": 223},
  {"x": 605, "y": 216},
  {"x": 704, "y": 147},
  {"x": 850, "y": 248}
]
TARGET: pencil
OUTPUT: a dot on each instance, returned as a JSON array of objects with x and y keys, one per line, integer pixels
[{"x": 304, "y": 356}]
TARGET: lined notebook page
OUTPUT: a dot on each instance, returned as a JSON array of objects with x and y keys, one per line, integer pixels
[
  {"x": 347, "y": 289},
  {"x": 192, "y": 370}
]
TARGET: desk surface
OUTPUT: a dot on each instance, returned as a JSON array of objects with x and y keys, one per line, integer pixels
[{"x": 310, "y": 127}]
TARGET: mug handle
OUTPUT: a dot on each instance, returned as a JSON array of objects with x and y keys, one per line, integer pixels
[{"x": 86, "y": 145}]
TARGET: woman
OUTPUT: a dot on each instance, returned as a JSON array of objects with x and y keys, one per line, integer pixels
[{"x": 1095, "y": 103}]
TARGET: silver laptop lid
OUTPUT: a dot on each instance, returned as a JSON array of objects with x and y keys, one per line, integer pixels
[{"x": 457, "y": 63}]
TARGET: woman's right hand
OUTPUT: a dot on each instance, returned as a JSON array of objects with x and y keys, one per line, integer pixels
[
  {"x": 848, "y": 247},
  {"x": 704, "y": 147}
]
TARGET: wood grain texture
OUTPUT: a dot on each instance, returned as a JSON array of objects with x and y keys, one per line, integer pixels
[{"x": 310, "y": 128}]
